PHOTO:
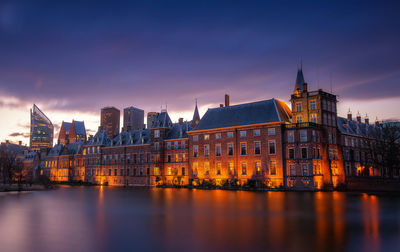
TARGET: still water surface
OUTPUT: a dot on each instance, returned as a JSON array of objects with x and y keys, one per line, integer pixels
[{"x": 117, "y": 219}]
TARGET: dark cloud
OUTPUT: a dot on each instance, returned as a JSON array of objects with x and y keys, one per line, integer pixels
[
  {"x": 80, "y": 57},
  {"x": 18, "y": 134}
]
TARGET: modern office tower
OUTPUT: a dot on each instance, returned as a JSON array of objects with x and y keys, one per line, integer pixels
[
  {"x": 42, "y": 130},
  {"x": 152, "y": 117},
  {"x": 133, "y": 118},
  {"x": 109, "y": 121}
]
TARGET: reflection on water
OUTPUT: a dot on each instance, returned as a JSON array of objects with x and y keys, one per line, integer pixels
[{"x": 117, "y": 219}]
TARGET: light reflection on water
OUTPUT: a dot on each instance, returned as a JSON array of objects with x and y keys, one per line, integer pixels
[{"x": 117, "y": 219}]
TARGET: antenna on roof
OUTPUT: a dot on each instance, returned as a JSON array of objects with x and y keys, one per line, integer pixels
[{"x": 330, "y": 76}]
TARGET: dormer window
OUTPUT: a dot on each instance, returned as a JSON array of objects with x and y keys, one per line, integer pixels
[{"x": 156, "y": 133}]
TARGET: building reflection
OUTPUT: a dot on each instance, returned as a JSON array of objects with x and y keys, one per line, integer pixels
[{"x": 370, "y": 215}]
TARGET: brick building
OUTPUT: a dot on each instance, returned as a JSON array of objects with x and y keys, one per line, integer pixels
[
  {"x": 72, "y": 132},
  {"x": 263, "y": 142}
]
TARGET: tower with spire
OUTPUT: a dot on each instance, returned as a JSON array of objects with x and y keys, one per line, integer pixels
[{"x": 196, "y": 116}]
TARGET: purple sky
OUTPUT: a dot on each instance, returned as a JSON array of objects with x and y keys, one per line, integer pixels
[{"x": 81, "y": 57}]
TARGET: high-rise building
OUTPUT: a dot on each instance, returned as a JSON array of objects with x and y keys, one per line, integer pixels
[
  {"x": 152, "y": 117},
  {"x": 42, "y": 130},
  {"x": 109, "y": 120},
  {"x": 133, "y": 118}
]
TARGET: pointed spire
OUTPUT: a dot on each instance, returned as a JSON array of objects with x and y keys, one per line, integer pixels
[
  {"x": 196, "y": 116},
  {"x": 299, "y": 79}
]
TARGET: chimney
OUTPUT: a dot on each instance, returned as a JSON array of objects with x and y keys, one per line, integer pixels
[
  {"x": 221, "y": 105},
  {"x": 304, "y": 87},
  {"x": 181, "y": 120},
  {"x": 358, "y": 117},
  {"x": 226, "y": 100},
  {"x": 366, "y": 119},
  {"x": 349, "y": 116}
]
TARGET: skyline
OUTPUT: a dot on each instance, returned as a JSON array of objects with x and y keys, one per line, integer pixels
[{"x": 72, "y": 60}]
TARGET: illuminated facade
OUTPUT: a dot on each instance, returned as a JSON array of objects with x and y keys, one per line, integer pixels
[
  {"x": 42, "y": 130},
  {"x": 264, "y": 143},
  {"x": 72, "y": 132}
]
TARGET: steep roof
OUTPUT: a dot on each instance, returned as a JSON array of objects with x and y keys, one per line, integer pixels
[
  {"x": 67, "y": 127},
  {"x": 352, "y": 127},
  {"x": 163, "y": 120},
  {"x": 245, "y": 114},
  {"x": 80, "y": 127},
  {"x": 56, "y": 150},
  {"x": 196, "y": 116},
  {"x": 101, "y": 138},
  {"x": 74, "y": 148},
  {"x": 179, "y": 130},
  {"x": 131, "y": 137},
  {"x": 299, "y": 80}
]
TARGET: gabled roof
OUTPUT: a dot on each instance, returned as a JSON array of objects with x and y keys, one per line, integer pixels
[
  {"x": 163, "y": 120},
  {"x": 80, "y": 127},
  {"x": 101, "y": 138},
  {"x": 179, "y": 130},
  {"x": 74, "y": 148},
  {"x": 67, "y": 127},
  {"x": 132, "y": 137},
  {"x": 352, "y": 127},
  {"x": 245, "y": 114}
]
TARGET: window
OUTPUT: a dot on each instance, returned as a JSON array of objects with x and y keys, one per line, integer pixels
[
  {"x": 176, "y": 145},
  {"x": 271, "y": 145},
  {"x": 292, "y": 170},
  {"x": 314, "y": 118},
  {"x": 272, "y": 167},
  {"x": 141, "y": 158},
  {"x": 206, "y": 150},
  {"x": 303, "y": 135},
  {"x": 121, "y": 172},
  {"x": 271, "y": 131},
  {"x": 169, "y": 171},
  {"x": 115, "y": 159},
  {"x": 195, "y": 150},
  {"x": 257, "y": 148},
  {"x": 298, "y": 107},
  {"x": 134, "y": 158},
  {"x": 156, "y": 171},
  {"x": 256, "y": 132},
  {"x": 313, "y": 105},
  {"x": 303, "y": 153},
  {"x": 195, "y": 138},
  {"x": 305, "y": 169},
  {"x": 230, "y": 149},
  {"x": 169, "y": 144},
  {"x": 206, "y": 168},
  {"x": 156, "y": 133},
  {"x": 134, "y": 172},
  {"x": 156, "y": 146},
  {"x": 242, "y": 133},
  {"x": 291, "y": 136},
  {"x": 230, "y": 168},
  {"x": 291, "y": 153},
  {"x": 206, "y": 137},
  {"x": 109, "y": 172},
  {"x": 218, "y": 150},
  {"x": 243, "y": 149},
  {"x": 169, "y": 158},
  {"x": 257, "y": 167},
  {"x": 218, "y": 136},
  {"x": 104, "y": 159},
  {"x": 195, "y": 168},
  {"x": 141, "y": 171},
  {"x": 244, "y": 168},
  {"x": 183, "y": 144},
  {"x": 148, "y": 158},
  {"x": 229, "y": 134},
  {"x": 115, "y": 172},
  {"x": 218, "y": 168},
  {"x": 299, "y": 119}
]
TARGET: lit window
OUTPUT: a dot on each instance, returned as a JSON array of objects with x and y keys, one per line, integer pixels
[
  {"x": 230, "y": 168},
  {"x": 206, "y": 137},
  {"x": 195, "y": 168},
  {"x": 244, "y": 168},
  {"x": 299, "y": 119},
  {"x": 298, "y": 107},
  {"x": 272, "y": 167},
  {"x": 257, "y": 167},
  {"x": 218, "y": 168},
  {"x": 314, "y": 118},
  {"x": 169, "y": 171},
  {"x": 313, "y": 105},
  {"x": 256, "y": 132},
  {"x": 206, "y": 168}
]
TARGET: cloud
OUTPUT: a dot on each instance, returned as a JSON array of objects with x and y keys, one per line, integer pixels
[{"x": 18, "y": 134}]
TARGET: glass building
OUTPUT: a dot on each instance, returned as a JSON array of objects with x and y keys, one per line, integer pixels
[{"x": 42, "y": 130}]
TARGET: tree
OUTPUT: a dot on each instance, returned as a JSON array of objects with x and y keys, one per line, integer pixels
[
  {"x": 7, "y": 162},
  {"x": 386, "y": 149}
]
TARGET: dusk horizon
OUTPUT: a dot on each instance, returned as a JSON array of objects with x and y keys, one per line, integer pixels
[{"x": 72, "y": 60}]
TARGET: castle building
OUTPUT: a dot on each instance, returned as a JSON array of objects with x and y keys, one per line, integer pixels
[
  {"x": 41, "y": 131},
  {"x": 264, "y": 143},
  {"x": 133, "y": 118},
  {"x": 109, "y": 121},
  {"x": 72, "y": 132}
]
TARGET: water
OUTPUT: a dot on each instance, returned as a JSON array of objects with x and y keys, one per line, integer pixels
[{"x": 117, "y": 219}]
